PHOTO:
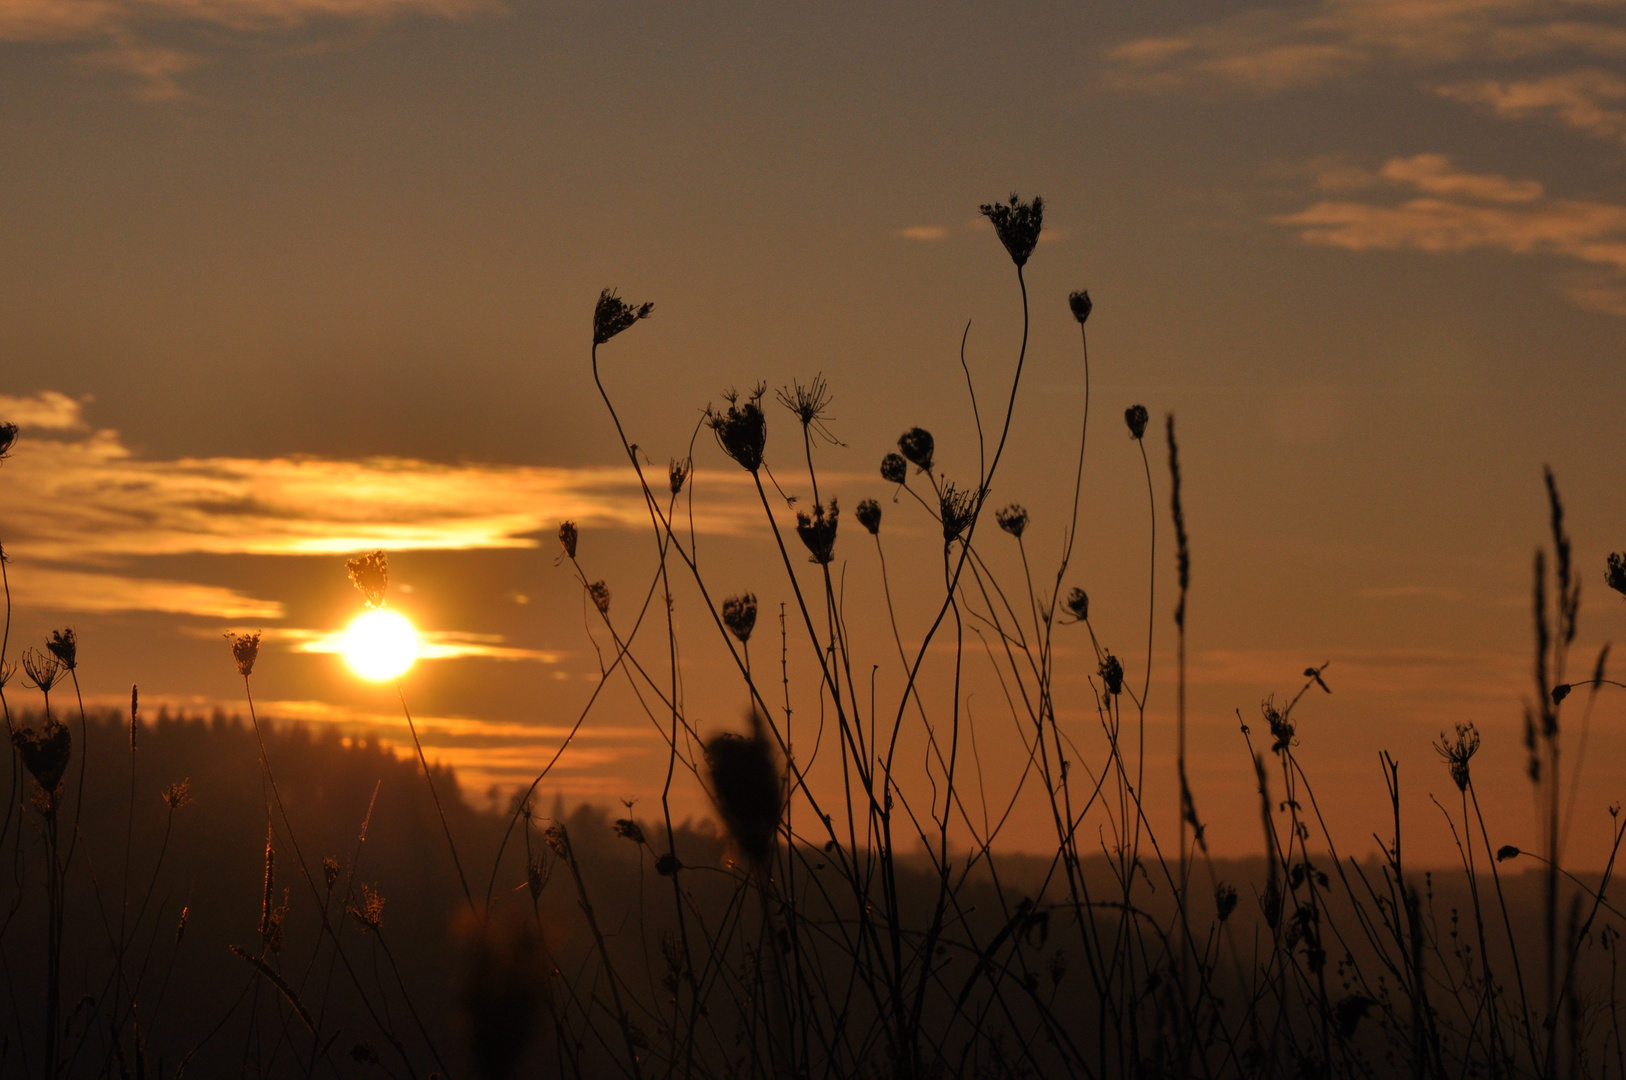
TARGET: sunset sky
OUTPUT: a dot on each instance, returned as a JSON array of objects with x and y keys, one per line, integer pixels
[{"x": 286, "y": 280}]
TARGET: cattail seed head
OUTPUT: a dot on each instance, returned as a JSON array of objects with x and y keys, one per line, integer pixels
[
  {"x": 370, "y": 573},
  {"x": 746, "y": 785},
  {"x": 567, "y": 537},
  {"x": 611, "y": 315},
  {"x": 918, "y": 446},
  {"x": 1136, "y": 417},
  {"x": 1080, "y": 305},
  {"x": 894, "y": 470},
  {"x": 741, "y": 430},
  {"x": 818, "y": 531},
  {"x": 64, "y": 645},
  {"x": 1078, "y": 604},
  {"x": 245, "y": 649},
  {"x": 1013, "y": 519},
  {"x": 600, "y": 593},
  {"x": 1017, "y": 224},
  {"x": 869, "y": 516},
  {"x": 740, "y": 615}
]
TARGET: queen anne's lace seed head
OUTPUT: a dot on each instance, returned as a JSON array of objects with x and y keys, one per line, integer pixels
[
  {"x": 611, "y": 315},
  {"x": 1017, "y": 224}
]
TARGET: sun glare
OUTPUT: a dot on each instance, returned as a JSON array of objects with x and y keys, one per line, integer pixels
[{"x": 380, "y": 645}]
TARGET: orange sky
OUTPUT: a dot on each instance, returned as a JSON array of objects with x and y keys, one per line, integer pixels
[{"x": 288, "y": 279}]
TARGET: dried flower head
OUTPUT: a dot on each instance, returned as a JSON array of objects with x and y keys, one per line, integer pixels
[
  {"x": 567, "y": 537},
  {"x": 611, "y": 315},
  {"x": 600, "y": 593},
  {"x": 1281, "y": 729},
  {"x": 45, "y": 753},
  {"x": 245, "y": 649},
  {"x": 371, "y": 574},
  {"x": 43, "y": 670},
  {"x": 1017, "y": 225},
  {"x": 917, "y": 445},
  {"x": 8, "y": 438},
  {"x": 869, "y": 516},
  {"x": 557, "y": 838},
  {"x": 1224, "y": 900},
  {"x": 1506, "y": 852},
  {"x": 740, "y": 615},
  {"x": 1080, "y": 305},
  {"x": 808, "y": 404},
  {"x": 741, "y": 430},
  {"x": 818, "y": 531},
  {"x": 956, "y": 508},
  {"x": 1561, "y": 691},
  {"x": 745, "y": 782},
  {"x": 1078, "y": 604},
  {"x": 676, "y": 473},
  {"x": 177, "y": 794},
  {"x": 1112, "y": 674},
  {"x": 370, "y": 912},
  {"x": 1136, "y": 417},
  {"x": 537, "y": 873},
  {"x": 1458, "y": 753},
  {"x": 628, "y": 829},
  {"x": 7, "y": 670},
  {"x": 364, "y": 1053},
  {"x": 894, "y": 470},
  {"x": 64, "y": 645},
  {"x": 668, "y": 865},
  {"x": 1616, "y": 574},
  {"x": 1013, "y": 519}
]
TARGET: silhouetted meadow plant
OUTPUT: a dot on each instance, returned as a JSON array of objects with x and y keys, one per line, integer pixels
[{"x": 866, "y": 925}]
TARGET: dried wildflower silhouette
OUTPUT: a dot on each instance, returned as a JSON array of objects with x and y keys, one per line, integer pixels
[
  {"x": 64, "y": 645},
  {"x": 1017, "y": 224},
  {"x": 370, "y": 573},
  {"x": 567, "y": 537},
  {"x": 1459, "y": 752},
  {"x": 741, "y": 429},
  {"x": 956, "y": 508},
  {"x": 600, "y": 593},
  {"x": 818, "y": 531},
  {"x": 1112, "y": 674},
  {"x": 504, "y": 992},
  {"x": 740, "y": 615},
  {"x": 745, "y": 783},
  {"x": 677, "y": 473},
  {"x": 245, "y": 649},
  {"x": 330, "y": 871},
  {"x": 628, "y": 829},
  {"x": 1136, "y": 418},
  {"x": 1078, "y": 604},
  {"x": 1079, "y": 304},
  {"x": 1616, "y": 574},
  {"x": 808, "y": 404},
  {"x": 917, "y": 445},
  {"x": 8, "y": 439},
  {"x": 177, "y": 794},
  {"x": 1013, "y": 519},
  {"x": 869, "y": 516},
  {"x": 45, "y": 754},
  {"x": 369, "y": 914},
  {"x": 611, "y": 315},
  {"x": 1224, "y": 901},
  {"x": 894, "y": 470},
  {"x": 44, "y": 671}
]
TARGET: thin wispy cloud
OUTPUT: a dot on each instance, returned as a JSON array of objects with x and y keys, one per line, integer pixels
[
  {"x": 43, "y": 588},
  {"x": 1456, "y": 211},
  {"x": 925, "y": 233},
  {"x": 126, "y": 35},
  {"x": 1589, "y": 101},
  {"x": 432, "y": 644}
]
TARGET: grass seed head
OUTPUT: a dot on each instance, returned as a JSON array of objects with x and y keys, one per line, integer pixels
[
  {"x": 741, "y": 429},
  {"x": 869, "y": 516},
  {"x": 611, "y": 315},
  {"x": 1136, "y": 418},
  {"x": 370, "y": 573},
  {"x": 894, "y": 470},
  {"x": 918, "y": 446},
  {"x": 245, "y": 649},
  {"x": 740, "y": 615},
  {"x": 1017, "y": 224},
  {"x": 1079, "y": 304},
  {"x": 818, "y": 531}
]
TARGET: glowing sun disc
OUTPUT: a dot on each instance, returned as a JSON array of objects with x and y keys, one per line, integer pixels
[{"x": 380, "y": 645}]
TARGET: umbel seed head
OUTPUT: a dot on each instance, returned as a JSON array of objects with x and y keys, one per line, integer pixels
[
  {"x": 1013, "y": 519},
  {"x": 611, "y": 315},
  {"x": 1078, "y": 604},
  {"x": 1080, "y": 305},
  {"x": 567, "y": 537},
  {"x": 818, "y": 531},
  {"x": 894, "y": 470},
  {"x": 45, "y": 754},
  {"x": 745, "y": 783},
  {"x": 64, "y": 645},
  {"x": 917, "y": 445},
  {"x": 1616, "y": 574},
  {"x": 8, "y": 437},
  {"x": 740, "y": 615},
  {"x": 956, "y": 508},
  {"x": 600, "y": 593},
  {"x": 741, "y": 430},
  {"x": 869, "y": 516},
  {"x": 245, "y": 648},
  {"x": 370, "y": 573},
  {"x": 1017, "y": 225},
  {"x": 1136, "y": 418}
]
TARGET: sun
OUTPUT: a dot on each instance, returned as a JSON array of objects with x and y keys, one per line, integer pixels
[{"x": 380, "y": 645}]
